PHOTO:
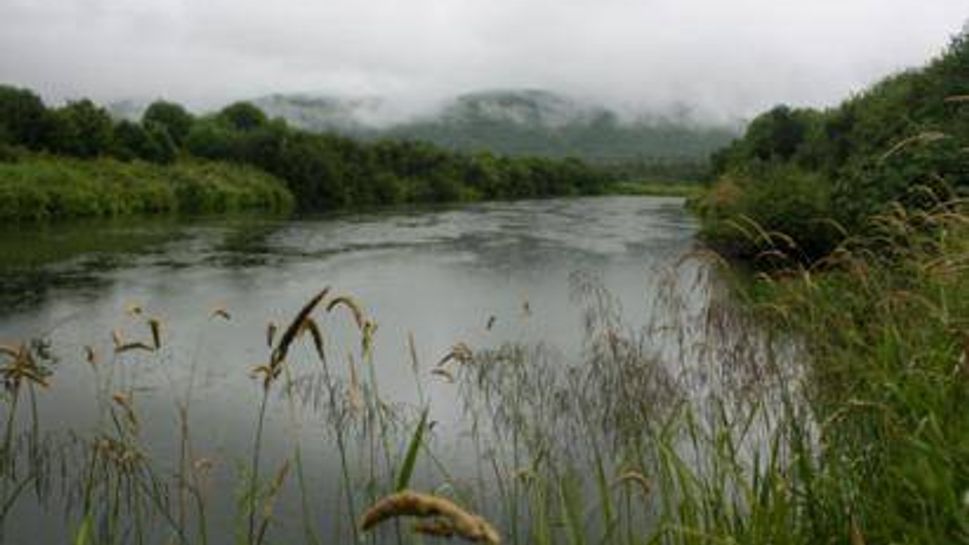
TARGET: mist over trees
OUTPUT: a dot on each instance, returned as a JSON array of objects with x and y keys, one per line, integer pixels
[{"x": 523, "y": 122}]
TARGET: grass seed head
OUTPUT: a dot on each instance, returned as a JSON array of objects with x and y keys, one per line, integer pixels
[
  {"x": 409, "y": 503},
  {"x": 352, "y": 305}
]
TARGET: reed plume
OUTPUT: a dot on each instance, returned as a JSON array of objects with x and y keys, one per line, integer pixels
[
  {"x": 279, "y": 353},
  {"x": 352, "y": 305},
  {"x": 460, "y": 353},
  {"x": 445, "y": 512}
]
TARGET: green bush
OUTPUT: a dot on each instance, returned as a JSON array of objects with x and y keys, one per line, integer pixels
[
  {"x": 39, "y": 188},
  {"x": 776, "y": 208}
]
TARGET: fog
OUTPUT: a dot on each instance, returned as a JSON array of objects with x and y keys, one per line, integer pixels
[{"x": 722, "y": 60}]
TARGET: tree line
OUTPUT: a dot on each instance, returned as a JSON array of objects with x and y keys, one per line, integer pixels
[{"x": 323, "y": 171}]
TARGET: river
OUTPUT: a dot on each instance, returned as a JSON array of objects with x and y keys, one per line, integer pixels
[{"x": 485, "y": 275}]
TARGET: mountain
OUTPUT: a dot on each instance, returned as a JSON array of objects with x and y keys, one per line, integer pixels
[{"x": 511, "y": 122}]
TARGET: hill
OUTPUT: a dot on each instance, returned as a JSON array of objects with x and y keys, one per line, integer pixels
[{"x": 510, "y": 122}]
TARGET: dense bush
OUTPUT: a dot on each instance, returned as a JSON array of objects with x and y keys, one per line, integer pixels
[
  {"x": 40, "y": 188},
  {"x": 795, "y": 168},
  {"x": 749, "y": 213}
]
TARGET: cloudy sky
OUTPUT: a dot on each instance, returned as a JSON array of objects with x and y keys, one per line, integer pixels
[{"x": 724, "y": 58}]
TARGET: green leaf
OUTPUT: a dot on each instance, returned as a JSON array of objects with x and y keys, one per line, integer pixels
[
  {"x": 84, "y": 533},
  {"x": 407, "y": 469}
]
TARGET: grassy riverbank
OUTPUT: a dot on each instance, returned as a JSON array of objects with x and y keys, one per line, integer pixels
[
  {"x": 38, "y": 187},
  {"x": 854, "y": 214}
]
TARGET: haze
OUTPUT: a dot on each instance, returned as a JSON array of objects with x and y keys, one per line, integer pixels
[{"x": 720, "y": 59}]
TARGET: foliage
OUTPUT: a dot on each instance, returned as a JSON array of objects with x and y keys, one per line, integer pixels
[
  {"x": 322, "y": 171},
  {"x": 81, "y": 129},
  {"x": 751, "y": 212},
  {"x": 884, "y": 145},
  {"x": 39, "y": 188},
  {"x": 242, "y": 116},
  {"x": 134, "y": 141},
  {"x": 174, "y": 118},
  {"x": 888, "y": 378},
  {"x": 23, "y": 118}
]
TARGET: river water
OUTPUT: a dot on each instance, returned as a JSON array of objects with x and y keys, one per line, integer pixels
[{"x": 481, "y": 274}]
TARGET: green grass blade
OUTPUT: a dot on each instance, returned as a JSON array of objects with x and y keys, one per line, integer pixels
[{"x": 407, "y": 469}]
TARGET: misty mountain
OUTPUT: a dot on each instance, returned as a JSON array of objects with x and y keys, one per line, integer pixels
[{"x": 511, "y": 122}]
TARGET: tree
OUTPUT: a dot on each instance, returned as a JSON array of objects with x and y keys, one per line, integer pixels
[
  {"x": 82, "y": 129},
  {"x": 131, "y": 141},
  {"x": 23, "y": 118},
  {"x": 243, "y": 116},
  {"x": 776, "y": 134},
  {"x": 172, "y": 117}
]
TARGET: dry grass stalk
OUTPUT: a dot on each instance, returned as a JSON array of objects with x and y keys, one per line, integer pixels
[
  {"x": 411, "y": 346},
  {"x": 279, "y": 354},
  {"x": 356, "y": 392},
  {"x": 125, "y": 402},
  {"x": 635, "y": 477},
  {"x": 155, "y": 326},
  {"x": 366, "y": 340},
  {"x": 921, "y": 138},
  {"x": 21, "y": 366},
  {"x": 124, "y": 456},
  {"x": 352, "y": 306},
  {"x": 271, "y": 328},
  {"x": 269, "y": 373},
  {"x": 133, "y": 309},
  {"x": 460, "y": 353},
  {"x": 136, "y": 345},
  {"x": 409, "y": 503},
  {"x": 444, "y": 373},
  {"x": 90, "y": 355},
  {"x": 117, "y": 338},
  {"x": 267, "y": 509},
  {"x": 310, "y": 326}
]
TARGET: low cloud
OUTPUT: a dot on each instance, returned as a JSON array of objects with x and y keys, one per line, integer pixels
[{"x": 722, "y": 60}]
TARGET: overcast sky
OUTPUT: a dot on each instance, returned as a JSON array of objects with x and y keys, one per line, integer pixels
[{"x": 723, "y": 57}]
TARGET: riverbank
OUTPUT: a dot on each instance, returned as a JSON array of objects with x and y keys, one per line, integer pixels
[
  {"x": 879, "y": 453},
  {"x": 857, "y": 226},
  {"x": 39, "y": 187},
  {"x": 645, "y": 188}
]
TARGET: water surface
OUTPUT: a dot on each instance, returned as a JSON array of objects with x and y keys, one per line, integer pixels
[{"x": 482, "y": 274}]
